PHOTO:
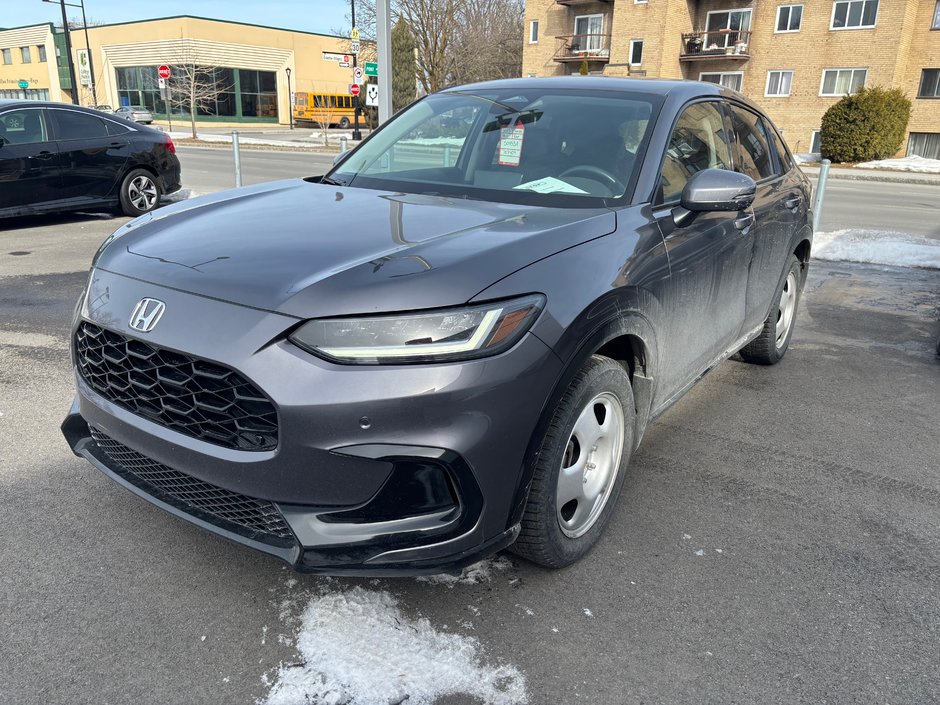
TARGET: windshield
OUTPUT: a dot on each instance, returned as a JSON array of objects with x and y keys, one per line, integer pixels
[{"x": 562, "y": 148}]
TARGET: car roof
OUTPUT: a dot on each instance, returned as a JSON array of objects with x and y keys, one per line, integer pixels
[{"x": 6, "y": 103}]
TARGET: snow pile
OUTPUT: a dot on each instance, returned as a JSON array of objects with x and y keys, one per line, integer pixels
[
  {"x": 916, "y": 164},
  {"x": 878, "y": 247},
  {"x": 358, "y": 648},
  {"x": 481, "y": 572},
  {"x": 807, "y": 157},
  {"x": 183, "y": 194}
]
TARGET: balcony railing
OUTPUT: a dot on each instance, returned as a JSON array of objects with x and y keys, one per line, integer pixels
[
  {"x": 578, "y": 47},
  {"x": 724, "y": 43}
]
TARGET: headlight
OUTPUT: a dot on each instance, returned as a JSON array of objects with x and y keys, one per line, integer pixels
[{"x": 433, "y": 336}]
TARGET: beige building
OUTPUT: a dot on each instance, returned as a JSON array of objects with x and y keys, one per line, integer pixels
[
  {"x": 794, "y": 59},
  {"x": 250, "y": 64}
]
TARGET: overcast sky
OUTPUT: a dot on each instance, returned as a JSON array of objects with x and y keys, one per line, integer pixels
[{"x": 307, "y": 15}]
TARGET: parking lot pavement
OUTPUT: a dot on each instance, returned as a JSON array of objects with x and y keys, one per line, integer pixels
[{"x": 776, "y": 541}]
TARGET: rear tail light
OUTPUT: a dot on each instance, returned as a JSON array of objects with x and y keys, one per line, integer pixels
[{"x": 168, "y": 141}]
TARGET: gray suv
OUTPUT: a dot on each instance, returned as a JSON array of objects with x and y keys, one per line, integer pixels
[{"x": 453, "y": 341}]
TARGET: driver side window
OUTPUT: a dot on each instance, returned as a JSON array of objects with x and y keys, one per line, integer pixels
[{"x": 699, "y": 141}]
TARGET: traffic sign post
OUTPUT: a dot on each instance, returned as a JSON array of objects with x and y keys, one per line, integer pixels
[
  {"x": 354, "y": 47},
  {"x": 354, "y": 89},
  {"x": 23, "y": 86}
]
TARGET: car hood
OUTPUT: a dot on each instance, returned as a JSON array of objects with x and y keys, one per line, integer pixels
[{"x": 308, "y": 249}]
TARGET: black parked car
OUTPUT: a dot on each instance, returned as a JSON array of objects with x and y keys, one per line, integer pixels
[
  {"x": 453, "y": 341},
  {"x": 58, "y": 157}
]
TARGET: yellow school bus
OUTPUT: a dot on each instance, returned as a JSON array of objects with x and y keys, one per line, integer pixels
[{"x": 337, "y": 108}]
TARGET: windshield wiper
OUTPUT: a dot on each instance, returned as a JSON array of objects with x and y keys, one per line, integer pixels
[{"x": 331, "y": 181}]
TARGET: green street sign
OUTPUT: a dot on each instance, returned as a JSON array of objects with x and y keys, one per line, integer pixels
[
  {"x": 24, "y": 84},
  {"x": 372, "y": 68}
]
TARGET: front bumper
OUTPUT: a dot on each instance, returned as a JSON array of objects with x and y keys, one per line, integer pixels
[{"x": 346, "y": 433}]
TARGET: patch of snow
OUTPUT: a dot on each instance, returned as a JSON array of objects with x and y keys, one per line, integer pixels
[
  {"x": 878, "y": 247},
  {"x": 686, "y": 536},
  {"x": 808, "y": 158},
  {"x": 358, "y": 648},
  {"x": 481, "y": 572},
  {"x": 919, "y": 165},
  {"x": 227, "y": 139},
  {"x": 183, "y": 194},
  {"x": 203, "y": 638},
  {"x": 555, "y": 629},
  {"x": 718, "y": 550},
  {"x": 700, "y": 552},
  {"x": 588, "y": 612}
]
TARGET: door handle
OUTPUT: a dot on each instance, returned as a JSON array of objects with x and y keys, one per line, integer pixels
[
  {"x": 45, "y": 155},
  {"x": 744, "y": 222},
  {"x": 793, "y": 202}
]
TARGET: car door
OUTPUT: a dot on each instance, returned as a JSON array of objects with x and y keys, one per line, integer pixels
[
  {"x": 773, "y": 217},
  {"x": 704, "y": 297},
  {"x": 30, "y": 168},
  {"x": 93, "y": 160}
]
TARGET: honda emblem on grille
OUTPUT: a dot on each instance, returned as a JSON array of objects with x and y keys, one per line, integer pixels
[{"x": 147, "y": 314}]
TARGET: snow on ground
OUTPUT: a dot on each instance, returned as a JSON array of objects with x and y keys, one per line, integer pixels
[
  {"x": 357, "y": 647},
  {"x": 227, "y": 139},
  {"x": 917, "y": 164},
  {"x": 877, "y": 247},
  {"x": 484, "y": 571},
  {"x": 182, "y": 195}
]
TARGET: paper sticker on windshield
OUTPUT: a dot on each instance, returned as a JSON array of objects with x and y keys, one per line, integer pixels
[
  {"x": 550, "y": 185},
  {"x": 510, "y": 144}
]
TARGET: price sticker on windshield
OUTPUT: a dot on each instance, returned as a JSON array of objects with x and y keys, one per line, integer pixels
[{"x": 510, "y": 144}]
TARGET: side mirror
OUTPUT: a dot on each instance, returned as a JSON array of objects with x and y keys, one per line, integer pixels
[
  {"x": 714, "y": 190},
  {"x": 340, "y": 157}
]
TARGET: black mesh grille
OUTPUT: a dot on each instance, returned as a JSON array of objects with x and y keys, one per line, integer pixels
[
  {"x": 199, "y": 398},
  {"x": 255, "y": 518}
]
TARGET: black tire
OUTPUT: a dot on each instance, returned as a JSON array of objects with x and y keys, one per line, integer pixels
[
  {"x": 140, "y": 193},
  {"x": 542, "y": 539},
  {"x": 344, "y": 123},
  {"x": 769, "y": 347}
]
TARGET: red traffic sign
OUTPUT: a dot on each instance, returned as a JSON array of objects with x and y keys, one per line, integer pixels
[
  {"x": 163, "y": 71},
  {"x": 354, "y": 89}
]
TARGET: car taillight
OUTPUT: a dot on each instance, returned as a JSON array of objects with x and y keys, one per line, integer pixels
[{"x": 168, "y": 141}]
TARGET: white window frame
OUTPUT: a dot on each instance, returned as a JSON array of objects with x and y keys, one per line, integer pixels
[
  {"x": 822, "y": 80},
  {"x": 630, "y": 55},
  {"x": 935, "y": 24},
  {"x": 723, "y": 74},
  {"x": 644, "y": 2},
  {"x": 812, "y": 138},
  {"x": 768, "y": 94},
  {"x": 599, "y": 37},
  {"x": 777, "y": 19},
  {"x": 7, "y": 53},
  {"x": 26, "y": 55},
  {"x": 533, "y": 29},
  {"x": 832, "y": 19}
]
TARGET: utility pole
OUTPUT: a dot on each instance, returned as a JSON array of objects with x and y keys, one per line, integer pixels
[
  {"x": 91, "y": 62},
  {"x": 290, "y": 99},
  {"x": 383, "y": 40},
  {"x": 68, "y": 51},
  {"x": 356, "y": 135}
]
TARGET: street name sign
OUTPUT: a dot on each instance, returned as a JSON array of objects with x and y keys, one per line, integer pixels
[{"x": 372, "y": 68}]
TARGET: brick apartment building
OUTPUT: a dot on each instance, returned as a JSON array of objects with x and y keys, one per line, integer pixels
[{"x": 792, "y": 59}]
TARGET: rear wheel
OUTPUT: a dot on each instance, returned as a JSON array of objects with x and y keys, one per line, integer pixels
[
  {"x": 769, "y": 347},
  {"x": 140, "y": 193},
  {"x": 580, "y": 466},
  {"x": 344, "y": 123}
]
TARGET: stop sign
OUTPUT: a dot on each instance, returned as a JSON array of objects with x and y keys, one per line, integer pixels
[
  {"x": 163, "y": 71},
  {"x": 354, "y": 89}
]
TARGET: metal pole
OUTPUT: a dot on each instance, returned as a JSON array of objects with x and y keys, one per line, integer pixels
[
  {"x": 343, "y": 144},
  {"x": 290, "y": 99},
  {"x": 820, "y": 193},
  {"x": 68, "y": 51},
  {"x": 236, "y": 152},
  {"x": 91, "y": 62},
  {"x": 383, "y": 41},
  {"x": 356, "y": 135}
]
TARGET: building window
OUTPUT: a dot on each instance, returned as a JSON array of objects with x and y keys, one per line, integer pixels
[
  {"x": 936, "y": 17},
  {"x": 924, "y": 144},
  {"x": 814, "y": 142},
  {"x": 42, "y": 53},
  {"x": 7, "y": 56},
  {"x": 726, "y": 28},
  {"x": 643, "y": 2},
  {"x": 636, "y": 52},
  {"x": 588, "y": 31},
  {"x": 728, "y": 79},
  {"x": 842, "y": 81},
  {"x": 854, "y": 14},
  {"x": 25, "y": 55},
  {"x": 789, "y": 18},
  {"x": 534, "y": 32},
  {"x": 929, "y": 84},
  {"x": 778, "y": 83}
]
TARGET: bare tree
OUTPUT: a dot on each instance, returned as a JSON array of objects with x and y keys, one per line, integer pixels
[
  {"x": 194, "y": 86},
  {"x": 324, "y": 106}
]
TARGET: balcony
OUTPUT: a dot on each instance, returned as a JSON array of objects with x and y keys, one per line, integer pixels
[
  {"x": 725, "y": 44},
  {"x": 581, "y": 47}
]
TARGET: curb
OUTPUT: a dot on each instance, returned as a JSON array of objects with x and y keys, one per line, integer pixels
[{"x": 892, "y": 178}]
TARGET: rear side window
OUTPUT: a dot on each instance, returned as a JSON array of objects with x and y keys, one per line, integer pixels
[
  {"x": 752, "y": 149},
  {"x": 23, "y": 127},
  {"x": 115, "y": 129},
  {"x": 79, "y": 126},
  {"x": 783, "y": 156},
  {"x": 699, "y": 141}
]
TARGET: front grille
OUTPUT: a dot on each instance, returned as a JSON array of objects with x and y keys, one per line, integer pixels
[
  {"x": 254, "y": 518},
  {"x": 201, "y": 399}
]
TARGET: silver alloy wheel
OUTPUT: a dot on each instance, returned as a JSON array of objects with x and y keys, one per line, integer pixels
[
  {"x": 590, "y": 465},
  {"x": 142, "y": 193},
  {"x": 786, "y": 309}
]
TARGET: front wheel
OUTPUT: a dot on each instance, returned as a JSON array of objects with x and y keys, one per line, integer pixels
[
  {"x": 580, "y": 466},
  {"x": 140, "y": 193},
  {"x": 769, "y": 347},
  {"x": 344, "y": 123}
]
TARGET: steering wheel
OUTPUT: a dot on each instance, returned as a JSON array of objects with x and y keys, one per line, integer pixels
[{"x": 591, "y": 171}]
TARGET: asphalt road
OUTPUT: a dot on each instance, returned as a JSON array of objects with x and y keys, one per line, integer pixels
[
  {"x": 872, "y": 205},
  {"x": 816, "y": 479}
]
